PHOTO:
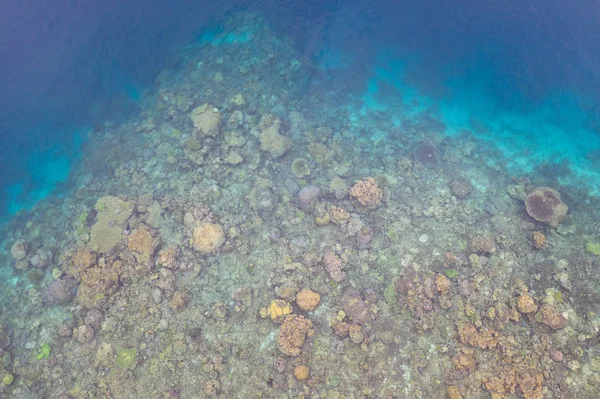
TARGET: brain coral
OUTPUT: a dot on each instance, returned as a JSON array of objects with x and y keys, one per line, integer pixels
[
  {"x": 307, "y": 299},
  {"x": 544, "y": 205},
  {"x": 208, "y": 237}
]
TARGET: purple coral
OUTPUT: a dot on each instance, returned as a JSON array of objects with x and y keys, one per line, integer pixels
[
  {"x": 545, "y": 205},
  {"x": 307, "y": 196},
  {"x": 364, "y": 237},
  {"x": 333, "y": 265},
  {"x": 427, "y": 154},
  {"x": 60, "y": 291}
]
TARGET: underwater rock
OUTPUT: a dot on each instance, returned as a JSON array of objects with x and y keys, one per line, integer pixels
[
  {"x": 208, "y": 237},
  {"x": 19, "y": 250},
  {"x": 207, "y": 119},
  {"x": 364, "y": 238},
  {"x": 358, "y": 308},
  {"x": 483, "y": 245},
  {"x": 367, "y": 193},
  {"x": 168, "y": 257},
  {"x": 307, "y": 196},
  {"x": 545, "y": 205},
  {"x": 93, "y": 318},
  {"x": 461, "y": 188},
  {"x": 83, "y": 334}
]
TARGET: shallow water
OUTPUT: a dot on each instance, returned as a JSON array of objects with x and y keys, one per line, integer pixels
[{"x": 313, "y": 202}]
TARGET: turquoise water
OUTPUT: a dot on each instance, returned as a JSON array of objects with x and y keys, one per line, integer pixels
[{"x": 318, "y": 201}]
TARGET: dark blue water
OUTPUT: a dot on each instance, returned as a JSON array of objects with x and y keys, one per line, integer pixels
[{"x": 69, "y": 66}]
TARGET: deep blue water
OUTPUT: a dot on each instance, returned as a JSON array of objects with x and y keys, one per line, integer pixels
[{"x": 534, "y": 67}]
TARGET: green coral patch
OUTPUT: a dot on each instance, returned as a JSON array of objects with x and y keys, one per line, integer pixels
[
  {"x": 126, "y": 357},
  {"x": 593, "y": 247}
]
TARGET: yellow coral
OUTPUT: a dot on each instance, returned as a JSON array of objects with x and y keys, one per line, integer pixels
[{"x": 277, "y": 308}]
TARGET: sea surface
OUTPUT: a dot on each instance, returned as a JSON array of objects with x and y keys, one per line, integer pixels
[{"x": 317, "y": 199}]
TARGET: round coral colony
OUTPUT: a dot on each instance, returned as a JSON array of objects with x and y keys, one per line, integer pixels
[
  {"x": 301, "y": 372},
  {"x": 208, "y": 237},
  {"x": 307, "y": 299}
]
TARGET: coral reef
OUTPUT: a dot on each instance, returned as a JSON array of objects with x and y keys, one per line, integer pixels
[
  {"x": 293, "y": 333},
  {"x": 307, "y": 196},
  {"x": 300, "y": 168},
  {"x": 333, "y": 266},
  {"x": 367, "y": 193},
  {"x": 545, "y": 205},
  {"x": 112, "y": 215},
  {"x": 271, "y": 140},
  {"x": 206, "y": 119},
  {"x": 193, "y": 250}
]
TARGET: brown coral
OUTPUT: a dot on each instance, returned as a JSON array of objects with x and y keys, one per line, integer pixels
[
  {"x": 208, "y": 237},
  {"x": 526, "y": 304},
  {"x": 530, "y": 382},
  {"x": 307, "y": 299},
  {"x": 82, "y": 259},
  {"x": 301, "y": 372},
  {"x": 442, "y": 283},
  {"x": 206, "y": 120},
  {"x": 142, "y": 243},
  {"x": 483, "y": 244},
  {"x": 168, "y": 257},
  {"x": 551, "y": 317},
  {"x": 367, "y": 193},
  {"x": 544, "y": 205},
  {"x": 292, "y": 334},
  {"x": 484, "y": 339},
  {"x": 338, "y": 214},
  {"x": 98, "y": 283}
]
